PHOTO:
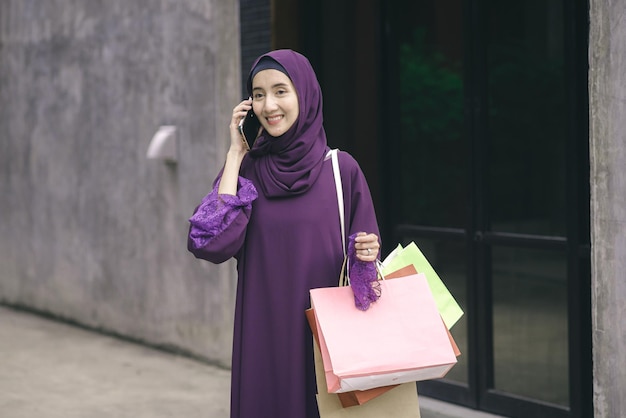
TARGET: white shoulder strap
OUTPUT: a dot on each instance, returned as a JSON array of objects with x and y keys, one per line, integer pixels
[{"x": 339, "y": 188}]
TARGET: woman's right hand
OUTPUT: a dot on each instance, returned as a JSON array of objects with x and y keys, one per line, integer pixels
[
  {"x": 237, "y": 142},
  {"x": 237, "y": 151}
]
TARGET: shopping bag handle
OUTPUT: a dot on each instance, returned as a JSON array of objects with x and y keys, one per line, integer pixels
[
  {"x": 344, "y": 279},
  {"x": 339, "y": 189},
  {"x": 379, "y": 268}
]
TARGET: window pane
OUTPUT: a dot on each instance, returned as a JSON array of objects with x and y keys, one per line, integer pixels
[
  {"x": 530, "y": 324},
  {"x": 432, "y": 162},
  {"x": 527, "y": 117},
  {"x": 447, "y": 258}
]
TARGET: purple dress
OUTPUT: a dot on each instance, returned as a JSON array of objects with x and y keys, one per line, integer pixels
[{"x": 286, "y": 238}]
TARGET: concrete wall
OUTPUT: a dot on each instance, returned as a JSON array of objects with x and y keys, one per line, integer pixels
[
  {"x": 607, "y": 94},
  {"x": 90, "y": 230}
]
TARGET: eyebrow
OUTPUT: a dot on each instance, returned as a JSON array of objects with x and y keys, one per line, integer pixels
[{"x": 273, "y": 86}]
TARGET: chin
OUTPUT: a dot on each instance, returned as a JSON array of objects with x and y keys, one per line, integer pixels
[{"x": 276, "y": 131}]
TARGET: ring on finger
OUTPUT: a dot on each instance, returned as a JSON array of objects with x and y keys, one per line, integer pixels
[{"x": 369, "y": 251}]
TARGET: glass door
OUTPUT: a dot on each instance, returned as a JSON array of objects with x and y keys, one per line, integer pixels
[{"x": 488, "y": 166}]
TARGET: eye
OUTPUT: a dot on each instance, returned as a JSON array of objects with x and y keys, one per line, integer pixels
[
  {"x": 257, "y": 96},
  {"x": 281, "y": 92}
]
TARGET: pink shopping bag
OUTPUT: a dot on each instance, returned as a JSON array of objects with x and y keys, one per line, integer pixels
[{"x": 400, "y": 338}]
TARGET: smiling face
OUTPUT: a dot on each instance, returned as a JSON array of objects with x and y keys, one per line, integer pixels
[{"x": 274, "y": 101}]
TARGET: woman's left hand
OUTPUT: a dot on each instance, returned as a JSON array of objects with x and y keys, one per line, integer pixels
[{"x": 366, "y": 246}]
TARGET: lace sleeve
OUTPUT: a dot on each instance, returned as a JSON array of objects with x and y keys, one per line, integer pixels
[{"x": 217, "y": 212}]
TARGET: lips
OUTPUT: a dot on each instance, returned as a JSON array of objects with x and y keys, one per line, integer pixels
[{"x": 273, "y": 120}]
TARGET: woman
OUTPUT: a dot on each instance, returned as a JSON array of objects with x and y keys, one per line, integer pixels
[{"x": 274, "y": 208}]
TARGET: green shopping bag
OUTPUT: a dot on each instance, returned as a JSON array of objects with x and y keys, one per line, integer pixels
[{"x": 400, "y": 257}]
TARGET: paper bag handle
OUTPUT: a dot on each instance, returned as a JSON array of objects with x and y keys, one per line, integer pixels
[{"x": 339, "y": 189}]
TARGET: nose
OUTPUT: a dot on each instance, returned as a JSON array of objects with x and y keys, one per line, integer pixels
[{"x": 270, "y": 104}]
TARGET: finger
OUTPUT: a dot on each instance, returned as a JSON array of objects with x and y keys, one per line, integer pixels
[
  {"x": 243, "y": 107},
  {"x": 364, "y": 237},
  {"x": 239, "y": 113},
  {"x": 367, "y": 249},
  {"x": 368, "y": 252},
  {"x": 372, "y": 245},
  {"x": 364, "y": 255}
]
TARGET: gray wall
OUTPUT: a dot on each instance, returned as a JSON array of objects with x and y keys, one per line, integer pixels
[
  {"x": 607, "y": 94},
  {"x": 90, "y": 230}
]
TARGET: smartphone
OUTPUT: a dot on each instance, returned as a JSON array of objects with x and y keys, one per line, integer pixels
[{"x": 249, "y": 128}]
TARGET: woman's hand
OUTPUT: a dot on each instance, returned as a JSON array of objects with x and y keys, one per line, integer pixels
[
  {"x": 238, "y": 149},
  {"x": 237, "y": 143},
  {"x": 366, "y": 246}
]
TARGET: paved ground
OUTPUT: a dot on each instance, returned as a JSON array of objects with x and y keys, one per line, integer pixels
[{"x": 54, "y": 370}]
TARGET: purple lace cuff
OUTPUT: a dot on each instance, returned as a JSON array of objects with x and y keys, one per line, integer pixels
[
  {"x": 217, "y": 212},
  {"x": 363, "y": 278}
]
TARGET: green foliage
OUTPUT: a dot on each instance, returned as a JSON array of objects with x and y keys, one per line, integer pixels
[
  {"x": 431, "y": 113},
  {"x": 431, "y": 94}
]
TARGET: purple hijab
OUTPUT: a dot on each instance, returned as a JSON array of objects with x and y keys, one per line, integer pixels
[{"x": 290, "y": 164}]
